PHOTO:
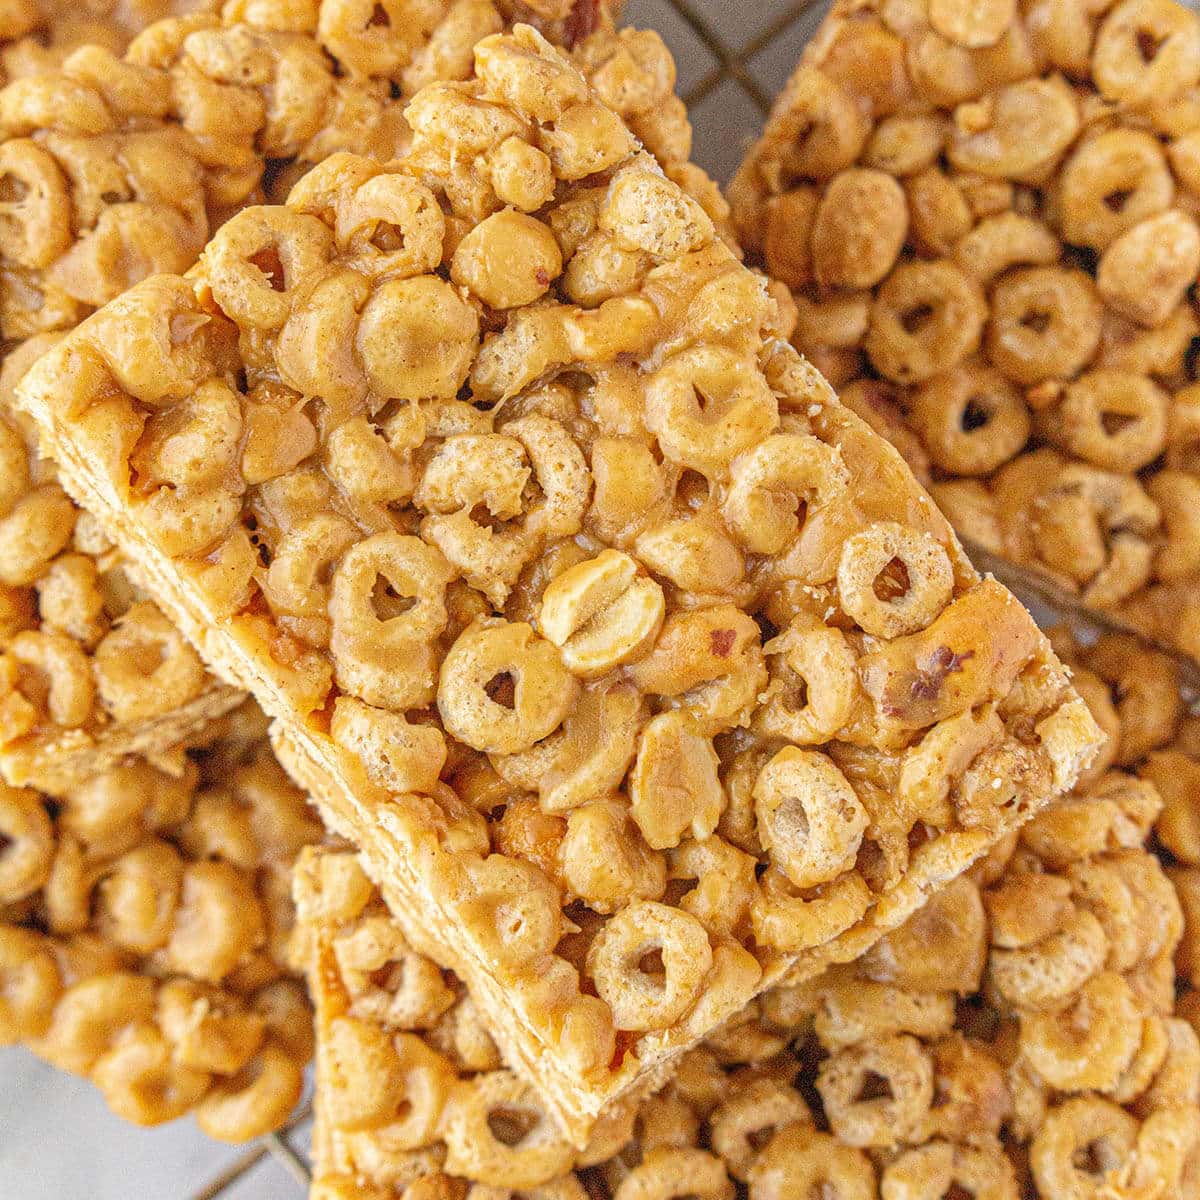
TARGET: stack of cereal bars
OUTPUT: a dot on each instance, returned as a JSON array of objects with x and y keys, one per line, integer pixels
[{"x": 394, "y": 419}]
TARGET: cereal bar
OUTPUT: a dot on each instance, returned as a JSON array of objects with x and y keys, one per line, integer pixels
[
  {"x": 145, "y": 924},
  {"x": 1017, "y": 1037},
  {"x": 987, "y": 217},
  {"x": 119, "y": 169},
  {"x": 639, "y": 668}
]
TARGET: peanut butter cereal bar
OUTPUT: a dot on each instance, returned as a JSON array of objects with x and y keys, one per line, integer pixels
[
  {"x": 1016, "y": 1038},
  {"x": 145, "y": 923},
  {"x": 118, "y": 170},
  {"x": 640, "y": 670},
  {"x": 120, "y": 167},
  {"x": 987, "y": 217}
]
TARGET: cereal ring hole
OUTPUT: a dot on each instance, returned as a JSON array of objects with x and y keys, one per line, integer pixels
[
  {"x": 1114, "y": 423},
  {"x": 916, "y": 318},
  {"x": 1116, "y": 200},
  {"x": 874, "y": 1086},
  {"x": 1148, "y": 44},
  {"x": 483, "y": 516},
  {"x": 511, "y": 1126},
  {"x": 502, "y": 689},
  {"x": 652, "y": 966},
  {"x": 1036, "y": 319},
  {"x": 893, "y": 582},
  {"x": 976, "y": 414},
  {"x": 13, "y": 190},
  {"x": 1097, "y": 1158},
  {"x": 692, "y": 489},
  {"x": 386, "y": 601},
  {"x": 269, "y": 264}
]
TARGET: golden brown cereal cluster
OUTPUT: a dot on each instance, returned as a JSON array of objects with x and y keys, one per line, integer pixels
[
  {"x": 145, "y": 920},
  {"x": 115, "y": 168},
  {"x": 37, "y": 35},
  {"x": 1017, "y": 1037},
  {"x": 90, "y": 671},
  {"x": 987, "y": 217},
  {"x": 640, "y": 668}
]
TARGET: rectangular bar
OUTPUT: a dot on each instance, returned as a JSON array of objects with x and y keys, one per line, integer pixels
[
  {"x": 125, "y": 181},
  {"x": 564, "y": 578},
  {"x": 986, "y": 217},
  {"x": 91, "y": 672},
  {"x": 954, "y": 1018}
]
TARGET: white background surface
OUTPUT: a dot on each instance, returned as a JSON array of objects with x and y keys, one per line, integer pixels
[{"x": 57, "y": 1140}]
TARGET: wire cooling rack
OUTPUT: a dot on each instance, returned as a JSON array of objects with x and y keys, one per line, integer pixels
[{"x": 733, "y": 56}]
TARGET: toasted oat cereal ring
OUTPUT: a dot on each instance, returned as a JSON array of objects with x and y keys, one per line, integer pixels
[
  {"x": 927, "y": 316},
  {"x": 971, "y": 420},
  {"x": 791, "y": 923},
  {"x": 813, "y": 686},
  {"x": 502, "y": 688},
  {"x": 255, "y": 1100},
  {"x": 893, "y": 580},
  {"x": 1089, "y": 1043},
  {"x": 29, "y": 984},
  {"x": 381, "y": 638},
  {"x": 707, "y": 405},
  {"x": 91, "y": 1016},
  {"x": 809, "y": 818},
  {"x": 1110, "y": 183},
  {"x": 137, "y": 898},
  {"x": 1016, "y": 131},
  {"x": 1079, "y": 1143},
  {"x": 1045, "y": 324},
  {"x": 649, "y": 963},
  {"x": 800, "y": 1161},
  {"x": 27, "y": 846},
  {"x": 1146, "y": 51},
  {"x": 742, "y": 1125},
  {"x": 392, "y": 225},
  {"x": 514, "y": 912},
  {"x": 1114, "y": 419},
  {"x": 938, "y": 1168},
  {"x": 256, "y": 258},
  {"x": 774, "y": 486},
  {"x": 498, "y": 1133},
  {"x": 35, "y": 220},
  {"x": 144, "y": 666},
  {"x": 673, "y": 1172},
  {"x": 142, "y": 1082},
  {"x": 877, "y": 1120}
]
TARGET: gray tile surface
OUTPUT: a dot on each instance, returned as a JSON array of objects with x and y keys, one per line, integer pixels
[{"x": 57, "y": 1140}]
